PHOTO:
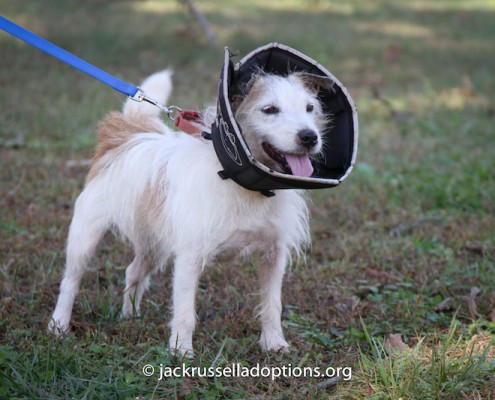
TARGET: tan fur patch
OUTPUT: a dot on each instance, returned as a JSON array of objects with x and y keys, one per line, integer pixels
[
  {"x": 151, "y": 204},
  {"x": 256, "y": 90},
  {"x": 113, "y": 133}
]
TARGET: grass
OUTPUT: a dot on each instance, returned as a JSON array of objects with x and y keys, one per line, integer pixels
[
  {"x": 452, "y": 366},
  {"x": 397, "y": 249}
]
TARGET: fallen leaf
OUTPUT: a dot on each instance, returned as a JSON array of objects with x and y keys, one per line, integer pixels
[
  {"x": 475, "y": 248},
  {"x": 445, "y": 305},
  {"x": 394, "y": 344},
  {"x": 186, "y": 388},
  {"x": 6, "y": 306},
  {"x": 15, "y": 143},
  {"x": 368, "y": 391},
  {"x": 473, "y": 308},
  {"x": 391, "y": 53}
]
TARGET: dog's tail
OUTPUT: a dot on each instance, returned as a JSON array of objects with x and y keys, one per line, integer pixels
[{"x": 158, "y": 87}]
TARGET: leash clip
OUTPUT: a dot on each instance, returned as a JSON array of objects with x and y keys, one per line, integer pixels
[
  {"x": 183, "y": 119},
  {"x": 171, "y": 111}
]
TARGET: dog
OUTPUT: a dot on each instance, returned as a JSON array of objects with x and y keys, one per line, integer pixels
[{"x": 160, "y": 191}]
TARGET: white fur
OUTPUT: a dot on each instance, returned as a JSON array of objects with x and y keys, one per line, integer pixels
[
  {"x": 201, "y": 218},
  {"x": 291, "y": 98}
]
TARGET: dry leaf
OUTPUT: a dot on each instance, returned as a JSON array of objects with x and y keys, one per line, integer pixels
[
  {"x": 368, "y": 391},
  {"x": 6, "y": 306},
  {"x": 391, "y": 53},
  {"x": 445, "y": 305},
  {"x": 394, "y": 344},
  {"x": 473, "y": 308},
  {"x": 187, "y": 387},
  {"x": 475, "y": 248}
]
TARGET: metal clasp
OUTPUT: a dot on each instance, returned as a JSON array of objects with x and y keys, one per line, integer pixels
[{"x": 171, "y": 111}]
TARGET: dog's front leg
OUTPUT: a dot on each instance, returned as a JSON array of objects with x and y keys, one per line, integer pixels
[
  {"x": 185, "y": 283},
  {"x": 272, "y": 268}
]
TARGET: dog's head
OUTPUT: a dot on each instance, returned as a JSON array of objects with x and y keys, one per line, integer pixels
[{"x": 282, "y": 120}]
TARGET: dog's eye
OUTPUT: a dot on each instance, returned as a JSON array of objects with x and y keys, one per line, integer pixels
[
  {"x": 271, "y": 110},
  {"x": 310, "y": 107}
]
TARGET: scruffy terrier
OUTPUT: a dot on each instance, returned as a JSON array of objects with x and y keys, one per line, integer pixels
[{"x": 159, "y": 189}]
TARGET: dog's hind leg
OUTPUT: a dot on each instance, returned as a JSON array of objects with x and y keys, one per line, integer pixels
[
  {"x": 86, "y": 230},
  {"x": 185, "y": 284},
  {"x": 272, "y": 268},
  {"x": 136, "y": 282}
]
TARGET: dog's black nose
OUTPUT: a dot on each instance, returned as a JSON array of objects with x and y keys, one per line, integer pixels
[{"x": 307, "y": 138}]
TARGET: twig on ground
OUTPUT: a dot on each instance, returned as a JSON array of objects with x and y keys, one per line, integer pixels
[
  {"x": 407, "y": 228},
  {"x": 324, "y": 384},
  {"x": 202, "y": 21}
]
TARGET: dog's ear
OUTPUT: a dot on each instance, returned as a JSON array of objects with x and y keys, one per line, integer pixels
[
  {"x": 241, "y": 91},
  {"x": 314, "y": 82},
  {"x": 249, "y": 85}
]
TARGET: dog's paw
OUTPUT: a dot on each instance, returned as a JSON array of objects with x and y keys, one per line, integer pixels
[
  {"x": 57, "y": 328},
  {"x": 128, "y": 314},
  {"x": 182, "y": 352},
  {"x": 274, "y": 342},
  {"x": 181, "y": 348}
]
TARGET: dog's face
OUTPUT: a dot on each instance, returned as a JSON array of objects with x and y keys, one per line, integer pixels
[{"x": 282, "y": 120}]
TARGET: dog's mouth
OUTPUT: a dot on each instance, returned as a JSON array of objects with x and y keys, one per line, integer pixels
[{"x": 294, "y": 164}]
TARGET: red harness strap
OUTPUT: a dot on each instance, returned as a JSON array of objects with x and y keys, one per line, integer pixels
[{"x": 183, "y": 121}]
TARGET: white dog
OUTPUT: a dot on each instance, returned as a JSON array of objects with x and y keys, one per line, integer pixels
[{"x": 159, "y": 189}]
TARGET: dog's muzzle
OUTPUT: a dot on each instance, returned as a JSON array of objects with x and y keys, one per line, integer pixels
[{"x": 338, "y": 156}]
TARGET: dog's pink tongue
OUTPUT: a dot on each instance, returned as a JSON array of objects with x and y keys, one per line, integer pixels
[{"x": 299, "y": 164}]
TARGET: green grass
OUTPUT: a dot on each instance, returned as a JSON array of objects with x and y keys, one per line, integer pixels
[
  {"x": 453, "y": 367},
  {"x": 396, "y": 249}
]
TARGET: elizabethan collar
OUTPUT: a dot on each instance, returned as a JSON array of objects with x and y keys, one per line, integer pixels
[{"x": 339, "y": 152}]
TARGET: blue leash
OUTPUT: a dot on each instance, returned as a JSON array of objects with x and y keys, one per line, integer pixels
[{"x": 44, "y": 45}]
